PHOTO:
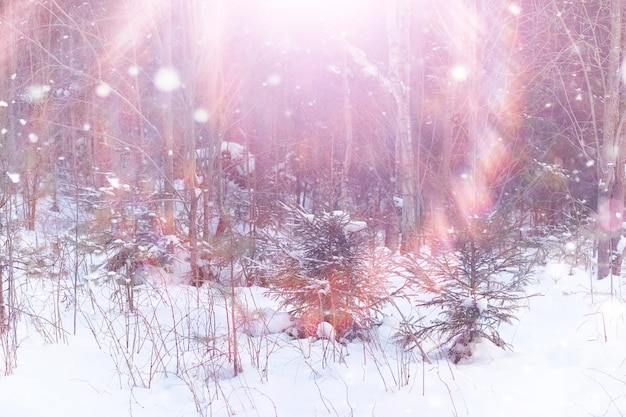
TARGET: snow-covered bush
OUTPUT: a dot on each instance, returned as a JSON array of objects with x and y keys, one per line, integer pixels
[
  {"x": 468, "y": 290},
  {"x": 325, "y": 276},
  {"x": 119, "y": 233}
]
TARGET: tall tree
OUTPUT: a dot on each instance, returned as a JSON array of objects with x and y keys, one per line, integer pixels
[
  {"x": 168, "y": 121},
  {"x": 613, "y": 152},
  {"x": 399, "y": 43}
]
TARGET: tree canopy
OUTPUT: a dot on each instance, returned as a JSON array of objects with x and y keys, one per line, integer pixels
[{"x": 412, "y": 115}]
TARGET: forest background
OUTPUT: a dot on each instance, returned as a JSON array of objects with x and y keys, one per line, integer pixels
[
  {"x": 331, "y": 177},
  {"x": 407, "y": 114},
  {"x": 204, "y": 120}
]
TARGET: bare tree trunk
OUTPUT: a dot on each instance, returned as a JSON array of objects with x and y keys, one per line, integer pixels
[
  {"x": 190, "y": 185},
  {"x": 392, "y": 224},
  {"x": 8, "y": 337},
  {"x": 9, "y": 163},
  {"x": 347, "y": 114},
  {"x": 168, "y": 127},
  {"x": 3, "y": 317},
  {"x": 215, "y": 90},
  {"x": 399, "y": 40},
  {"x": 190, "y": 72},
  {"x": 611, "y": 184}
]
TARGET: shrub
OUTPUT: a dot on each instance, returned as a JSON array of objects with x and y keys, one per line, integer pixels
[
  {"x": 324, "y": 275},
  {"x": 472, "y": 287}
]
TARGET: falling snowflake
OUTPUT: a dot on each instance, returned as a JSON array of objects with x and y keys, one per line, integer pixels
[
  {"x": 133, "y": 70},
  {"x": 459, "y": 73},
  {"x": 515, "y": 9},
  {"x": 166, "y": 80},
  {"x": 201, "y": 115},
  {"x": 103, "y": 90},
  {"x": 36, "y": 93},
  {"x": 273, "y": 79}
]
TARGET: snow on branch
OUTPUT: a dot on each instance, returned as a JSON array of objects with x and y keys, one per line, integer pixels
[{"x": 368, "y": 68}]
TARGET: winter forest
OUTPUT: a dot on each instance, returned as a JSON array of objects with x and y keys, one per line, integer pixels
[{"x": 310, "y": 208}]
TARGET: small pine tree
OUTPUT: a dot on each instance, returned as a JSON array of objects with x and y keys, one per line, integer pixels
[
  {"x": 473, "y": 286},
  {"x": 325, "y": 276}
]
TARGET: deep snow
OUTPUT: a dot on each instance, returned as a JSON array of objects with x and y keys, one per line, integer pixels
[{"x": 568, "y": 359}]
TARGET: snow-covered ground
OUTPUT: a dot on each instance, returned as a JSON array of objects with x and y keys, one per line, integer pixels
[{"x": 168, "y": 359}]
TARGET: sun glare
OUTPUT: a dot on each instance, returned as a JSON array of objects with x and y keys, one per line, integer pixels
[
  {"x": 341, "y": 17},
  {"x": 459, "y": 73},
  {"x": 316, "y": 8},
  {"x": 515, "y": 9},
  {"x": 166, "y": 79}
]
